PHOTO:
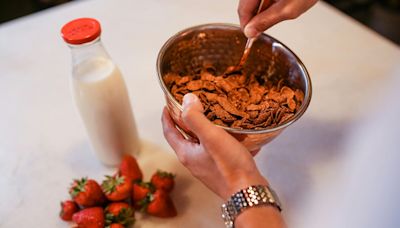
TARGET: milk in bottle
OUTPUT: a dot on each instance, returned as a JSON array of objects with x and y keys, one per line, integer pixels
[{"x": 100, "y": 93}]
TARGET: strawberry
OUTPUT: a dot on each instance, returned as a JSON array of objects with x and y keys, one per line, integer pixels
[
  {"x": 117, "y": 187},
  {"x": 116, "y": 207},
  {"x": 120, "y": 213},
  {"x": 141, "y": 193},
  {"x": 87, "y": 193},
  {"x": 161, "y": 205},
  {"x": 141, "y": 190},
  {"x": 130, "y": 168},
  {"x": 163, "y": 180},
  {"x": 116, "y": 225},
  {"x": 89, "y": 218},
  {"x": 68, "y": 208}
]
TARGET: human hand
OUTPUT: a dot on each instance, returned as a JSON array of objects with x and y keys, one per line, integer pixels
[
  {"x": 221, "y": 162},
  {"x": 280, "y": 10}
]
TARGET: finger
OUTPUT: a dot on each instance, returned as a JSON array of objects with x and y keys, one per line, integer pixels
[
  {"x": 210, "y": 136},
  {"x": 172, "y": 135},
  {"x": 246, "y": 10},
  {"x": 174, "y": 138},
  {"x": 195, "y": 120},
  {"x": 276, "y": 13}
]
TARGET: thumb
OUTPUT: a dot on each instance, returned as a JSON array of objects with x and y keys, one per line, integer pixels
[
  {"x": 192, "y": 103},
  {"x": 195, "y": 121}
]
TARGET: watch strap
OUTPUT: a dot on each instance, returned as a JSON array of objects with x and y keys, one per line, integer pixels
[{"x": 256, "y": 195}]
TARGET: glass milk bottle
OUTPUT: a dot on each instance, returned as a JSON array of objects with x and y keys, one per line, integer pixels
[{"x": 100, "y": 93}]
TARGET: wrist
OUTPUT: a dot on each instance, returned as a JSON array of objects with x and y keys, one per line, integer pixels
[
  {"x": 256, "y": 217},
  {"x": 243, "y": 181},
  {"x": 248, "y": 199}
]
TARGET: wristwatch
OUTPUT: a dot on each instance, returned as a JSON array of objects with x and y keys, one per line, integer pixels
[{"x": 256, "y": 195}]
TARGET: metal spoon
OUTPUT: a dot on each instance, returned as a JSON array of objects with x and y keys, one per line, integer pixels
[{"x": 264, "y": 4}]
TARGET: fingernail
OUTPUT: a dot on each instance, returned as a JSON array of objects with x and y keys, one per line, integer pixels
[
  {"x": 188, "y": 100},
  {"x": 250, "y": 32}
]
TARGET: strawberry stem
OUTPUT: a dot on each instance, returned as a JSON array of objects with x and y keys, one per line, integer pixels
[
  {"x": 78, "y": 186},
  {"x": 164, "y": 174},
  {"x": 110, "y": 184}
]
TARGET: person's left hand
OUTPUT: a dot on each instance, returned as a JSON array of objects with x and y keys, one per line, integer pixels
[{"x": 221, "y": 162}]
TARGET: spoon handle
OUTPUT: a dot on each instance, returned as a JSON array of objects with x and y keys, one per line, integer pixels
[{"x": 264, "y": 4}]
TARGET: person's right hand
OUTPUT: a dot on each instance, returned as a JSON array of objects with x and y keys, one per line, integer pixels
[
  {"x": 221, "y": 162},
  {"x": 280, "y": 10}
]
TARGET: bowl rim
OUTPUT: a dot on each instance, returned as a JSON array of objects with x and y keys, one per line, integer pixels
[{"x": 308, "y": 86}]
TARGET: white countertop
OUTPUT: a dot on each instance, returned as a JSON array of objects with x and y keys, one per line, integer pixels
[{"x": 43, "y": 145}]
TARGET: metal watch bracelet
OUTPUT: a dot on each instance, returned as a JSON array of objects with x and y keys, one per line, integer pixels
[{"x": 256, "y": 195}]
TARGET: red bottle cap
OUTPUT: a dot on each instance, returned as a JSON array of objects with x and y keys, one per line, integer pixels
[{"x": 81, "y": 30}]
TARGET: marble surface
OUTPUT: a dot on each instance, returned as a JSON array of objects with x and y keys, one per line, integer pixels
[{"x": 43, "y": 145}]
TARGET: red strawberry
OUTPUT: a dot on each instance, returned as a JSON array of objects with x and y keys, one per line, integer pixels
[
  {"x": 116, "y": 207},
  {"x": 130, "y": 168},
  {"x": 87, "y": 193},
  {"x": 141, "y": 193},
  {"x": 89, "y": 218},
  {"x": 116, "y": 225},
  {"x": 163, "y": 180},
  {"x": 141, "y": 190},
  {"x": 68, "y": 208},
  {"x": 161, "y": 205},
  {"x": 117, "y": 187},
  {"x": 121, "y": 213}
]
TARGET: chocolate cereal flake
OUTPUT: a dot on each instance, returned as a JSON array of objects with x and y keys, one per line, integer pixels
[{"x": 237, "y": 100}]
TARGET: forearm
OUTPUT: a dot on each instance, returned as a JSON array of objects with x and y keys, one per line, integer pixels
[{"x": 263, "y": 216}]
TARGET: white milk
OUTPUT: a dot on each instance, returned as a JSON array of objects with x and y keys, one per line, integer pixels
[{"x": 103, "y": 102}]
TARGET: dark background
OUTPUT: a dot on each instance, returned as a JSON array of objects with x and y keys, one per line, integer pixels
[{"x": 382, "y": 16}]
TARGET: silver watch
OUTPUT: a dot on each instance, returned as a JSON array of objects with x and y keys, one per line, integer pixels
[{"x": 256, "y": 195}]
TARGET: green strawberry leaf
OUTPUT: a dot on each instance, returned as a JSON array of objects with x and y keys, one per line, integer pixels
[
  {"x": 110, "y": 184},
  {"x": 164, "y": 174},
  {"x": 78, "y": 186}
]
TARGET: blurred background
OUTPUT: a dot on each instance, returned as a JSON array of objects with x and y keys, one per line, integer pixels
[{"x": 383, "y": 16}]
